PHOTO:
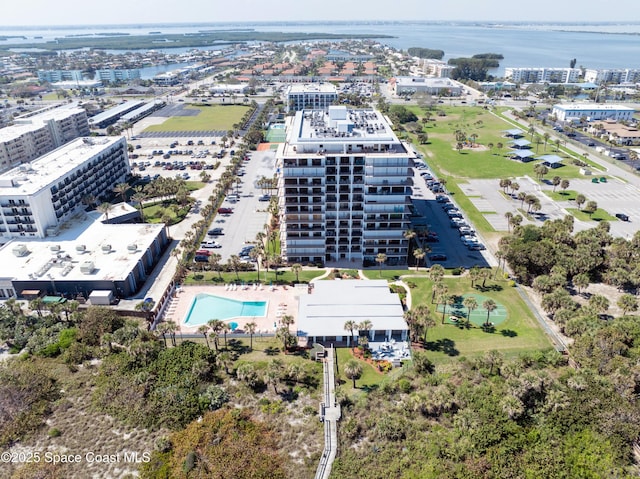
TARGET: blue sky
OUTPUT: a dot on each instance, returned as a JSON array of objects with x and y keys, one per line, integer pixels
[{"x": 74, "y": 12}]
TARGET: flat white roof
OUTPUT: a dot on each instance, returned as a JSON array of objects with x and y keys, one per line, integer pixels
[
  {"x": 313, "y": 88},
  {"x": 319, "y": 126},
  {"x": 29, "y": 178},
  {"x": 58, "y": 258},
  {"x": 35, "y": 121},
  {"x": 592, "y": 107},
  {"x": 116, "y": 110},
  {"x": 332, "y": 303},
  {"x": 431, "y": 82}
]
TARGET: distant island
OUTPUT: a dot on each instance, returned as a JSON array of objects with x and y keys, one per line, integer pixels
[{"x": 140, "y": 42}]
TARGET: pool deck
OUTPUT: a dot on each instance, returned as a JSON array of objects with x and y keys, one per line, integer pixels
[{"x": 279, "y": 301}]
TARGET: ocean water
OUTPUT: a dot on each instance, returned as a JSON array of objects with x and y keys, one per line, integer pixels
[{"x": 604, "y": 45}]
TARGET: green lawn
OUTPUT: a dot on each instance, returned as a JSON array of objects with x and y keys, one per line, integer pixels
[
  {"x": 284, "y": 276},
  {"x": 599, "y": 215},
  {"x": 520, "y": 332},
  {"x": 481, "y": 161},
  {"x": 559, "y": 195},
  {"x": 370, "y": 378},
  {"x": 217, "y": 117}
]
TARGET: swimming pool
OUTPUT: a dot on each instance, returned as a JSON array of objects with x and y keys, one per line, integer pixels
[{"x": 206, "y": 307}]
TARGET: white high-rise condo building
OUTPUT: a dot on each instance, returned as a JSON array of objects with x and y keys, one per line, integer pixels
[
  {"x": 542, "y": 75},
  {"x": 37, "y": 133},
  {"x": 344, "y": 188},
  {"x": 314, "y": 96},
  {"x": 37, "y": 197}
]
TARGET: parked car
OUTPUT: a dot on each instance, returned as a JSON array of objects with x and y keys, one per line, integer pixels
[
  {"x": 264, "y": 198},
  {"x": 210, "y": 245},
  {"x": 201, "y": 259},
  {"x": 203, "y": 252},
  {"x": 225, "y": 211},
  {"x": 437, "y": 257},
  {"x": 622, "y": 217},
  {"x": 215, "y": 232}
]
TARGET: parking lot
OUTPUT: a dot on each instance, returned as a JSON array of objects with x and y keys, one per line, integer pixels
[
  {"x": 436, "y": 211},
  {"x": 249, "y": 214}
]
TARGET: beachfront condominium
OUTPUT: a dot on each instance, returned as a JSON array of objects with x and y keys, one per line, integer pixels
[
  {"x": 35, "y": 198},
  {"x": 37, "y": 133},
  {"x": 542, "y": 75},
  {"x": 615, "y": 76},
  {"x": 344, "y": 185},
  {"x": 313, "y": 96}
]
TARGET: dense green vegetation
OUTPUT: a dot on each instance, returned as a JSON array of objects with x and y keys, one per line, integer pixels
[
  {"x": 203, "y": 39},
  {"x": 426, "y": 53}
]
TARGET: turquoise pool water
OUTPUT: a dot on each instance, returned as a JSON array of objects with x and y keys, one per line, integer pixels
[{"x": 206, "y": 307}]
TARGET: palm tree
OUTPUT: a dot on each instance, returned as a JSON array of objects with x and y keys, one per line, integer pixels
[
  {"x": 470, "y": 303},
  {"x": 256, "y": 255},
  {"x": 234, "y": 264},
  {"x": 365, "y": 326},
  {"x": 350, "y": 325},
  {"x": 204, "y": 329},
  {"x": 216, "y": 328},
  {"x": 490, "y": 305},
  {"x": 409, "y": 235},
  {"x": 436, "y": 272},
  {"x": 296, "y": 268},
  {"x": 419, "y": 255},
  {"x": 171, "y": 328},
  {"x": 353, "y": 370},
  {"x": 251, "y": 329},
  {"x": 214, "y": 262},
  {"x": 224, "y": 360},
  {"x": 381, "y": 259},
  {"x": 121, "y": 189},
  {"x": 105, "y": 208},
  {"x": 138, "y": 197}
]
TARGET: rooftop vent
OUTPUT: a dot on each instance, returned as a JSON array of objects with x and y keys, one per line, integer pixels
[
  {"x": 80, "y": 248},
  {"x": 87, "y": 267},
  {"x": 106, "y": 248},
  {"x": 132, "y": 248},
  {"x": 20, "y": 250},
  {"x": 54, "y": 247}
]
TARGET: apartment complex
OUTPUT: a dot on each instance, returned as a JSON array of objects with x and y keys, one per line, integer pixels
[
  {"x": 543, "y": 75},
  {"x": 436, "y": 68},
  {"x": 591, "y": 112},
  {"x": 430, "y": 86},
  {"x": 313, "y": 96},
  {"x": 113, "y": 75},
  {"x": 54, "y": 76},
  {"x": 37, "y": 133},
  {"x": 344, "y": 188},
  {"x": 35, "y": 198},
  {"x": 623, "y": 75}
]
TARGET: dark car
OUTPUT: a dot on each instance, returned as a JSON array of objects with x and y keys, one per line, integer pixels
[
  {"x": 622, "y": 217},
  {"x": 437, "y": 257},
  {"x": 201, "y": 259},
  {"x": 215, "y": 232},
  {"x": 225, "y": 211},
  {"x": 264, "y": 198}
]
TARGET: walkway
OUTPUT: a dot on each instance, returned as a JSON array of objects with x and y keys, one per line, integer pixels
[{"x": 330, "y": 415}]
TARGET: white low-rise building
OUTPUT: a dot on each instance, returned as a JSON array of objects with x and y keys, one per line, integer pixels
[
  {"x": 87, "y": 255},
  {"x": 431, "y": 86},
  {"x": 323, "y": 313},
  {"x": 591, "y": 112},
  {"x": 35, "y": 198}
]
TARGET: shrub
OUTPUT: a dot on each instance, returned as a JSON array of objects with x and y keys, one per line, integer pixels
[
  {"x": 411, "y": 285},
  {"x": 456, "y": 271},
  {"x": 54, "y": 432},
  {"x": 404, "y": 385}
]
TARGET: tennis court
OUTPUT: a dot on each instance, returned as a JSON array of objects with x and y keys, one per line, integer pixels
[
  {"x": 276, "y": 133},
  {"x": 478, "y": 315}
]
